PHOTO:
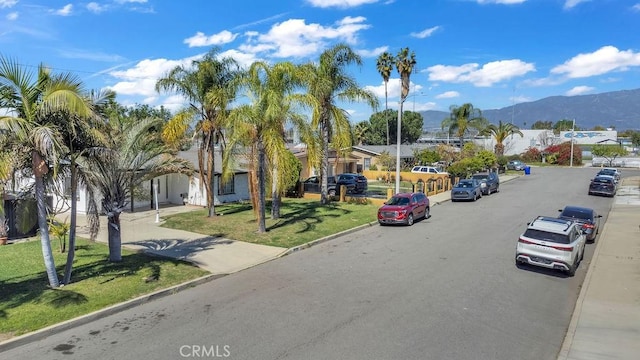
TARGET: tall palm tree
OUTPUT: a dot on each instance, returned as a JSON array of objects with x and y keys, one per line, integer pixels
[
  {"x": 31, "y": 103},
  {"x": 328, "y": 83},
  {"x": 463, "y": 119},
  {"x": 133, "y": 156},
  {"x": 500, "y": 133},
  {"x": 384, "y": 64},
  {"x": 259, "y": 126},
  {"x": 405, "y": 62},
  {"x": 360, "y": 132},
  {"x": 208, "y": 86}
]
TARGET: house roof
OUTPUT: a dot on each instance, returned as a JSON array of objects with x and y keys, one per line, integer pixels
[{"x": 406, "y": 151}]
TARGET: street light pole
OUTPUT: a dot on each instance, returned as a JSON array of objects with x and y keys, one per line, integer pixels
[
  {"x": 573, "y": 127},
  {"x": 398, "y": 138}
]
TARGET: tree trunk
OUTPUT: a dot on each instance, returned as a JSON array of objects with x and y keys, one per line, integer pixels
[
  {"x": 115, "y": 236},
  {"x": 39, "y": 169},
  {"x": 275, "y": 194},
  {"x": 66, "y": 279},
  {"x": 386, "y": 106},
  {"x": 211, "y": 154},
  {"x": 262, "y": 228},
  {"x": 324, "y": 168}
]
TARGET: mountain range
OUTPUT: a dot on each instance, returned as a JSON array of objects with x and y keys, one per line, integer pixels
[{"x": 615, "y": 109}]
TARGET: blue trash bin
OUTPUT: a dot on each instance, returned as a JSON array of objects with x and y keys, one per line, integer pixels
[{"x": 527, "y": 170}]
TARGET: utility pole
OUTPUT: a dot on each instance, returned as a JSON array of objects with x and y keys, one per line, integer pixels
[{"x": 573, "y": 127}]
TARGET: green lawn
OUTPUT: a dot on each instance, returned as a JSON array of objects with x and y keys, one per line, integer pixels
[
  {"x": 301, "y": 221},
  {"x": 27, "y": 303}
]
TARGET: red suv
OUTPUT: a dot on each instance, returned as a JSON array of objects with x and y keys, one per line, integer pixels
[{"x": 404, "y": 208}]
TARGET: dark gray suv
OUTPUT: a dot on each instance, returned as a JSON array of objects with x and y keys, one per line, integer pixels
[
  {"x": 489, "y": 182},
  {"x": 355, "y": 183}
]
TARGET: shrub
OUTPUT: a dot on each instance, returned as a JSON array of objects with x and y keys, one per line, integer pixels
[
  {"x": 561, "y": 154},
  {"x": 373, "y": 167},
  {"x": 531, "y": 155}
]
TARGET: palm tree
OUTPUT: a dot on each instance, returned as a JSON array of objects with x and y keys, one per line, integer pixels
[
  {"x": 208, "y": 86},
  {"x": 327, "y": 83},
  {"x": 384, "y": 64},
  {"x": 404, "y": 64},
  {"x": 133, "y": 156},
  {"x": 360, "y": 132},
  {"x": 31, "y": 105},
  {"x": 500, "y": 133},
  {"x": 259, "y": 125},
  {"x": 462, "y": 119}
]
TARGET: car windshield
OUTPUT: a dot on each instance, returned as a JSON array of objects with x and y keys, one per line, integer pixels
[
  {"x": 602, "y": 180},
  {"x": 480, "y": 177},
  {"x": 576, "y": 214},
  {"x": 398, "y": 201},
  {"x": 547, "y": 236},
  {"x": 465, "y": 184}
]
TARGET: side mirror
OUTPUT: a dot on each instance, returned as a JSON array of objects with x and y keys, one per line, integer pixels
[{"x": 599, "y": 216}]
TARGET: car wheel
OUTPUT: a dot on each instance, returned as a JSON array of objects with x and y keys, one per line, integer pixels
[
  {"x": 426, "y": 213},
  {"x": 381, "y": 223},
  {"x": 475, "y": 197},
  {"x": 332, "y": 192},
  {"x": 573, "y": 267},
  {"x": 582, "y": 254},
  {"x": 410, "y": 219}
]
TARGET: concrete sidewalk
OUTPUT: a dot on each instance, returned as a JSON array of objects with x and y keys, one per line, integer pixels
[{"x": 606, "y": 319}]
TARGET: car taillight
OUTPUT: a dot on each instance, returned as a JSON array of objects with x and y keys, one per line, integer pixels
[
  {"x": 563, "y": 248},
  {"x": 521, "y": 240},
  {"x": 588, "y": 226}
]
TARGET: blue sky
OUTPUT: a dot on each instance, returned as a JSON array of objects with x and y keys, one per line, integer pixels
[{"x": 491, "y": 53}]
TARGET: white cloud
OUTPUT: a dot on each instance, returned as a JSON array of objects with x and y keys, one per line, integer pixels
[
  {"x": 448, "y": 95},
  {"x": 12, "y": 16},
  {"x": 602, "y": 61},
  {"x": 96, "y": 8},
  {"x": 141, "y": 79},
  {"x": 65, "y": 10},
  {"x": 579, "y": 90},
  {"x": 131, "y": 1},
  {"x": 339, "y": 3},
  {"x": 425, "y": 33},
  {"x": 393, "y": 88},
  {"x": 295, "y": 38},
  {"x": 245, "y": 59},
  {"x": 519, "y": 99},
  {"x": 485, "y": 76},
  {"x": 200, "y": 39},
  {"x": 568, "y": 4},
  {"x": 7, "y": 3},
  {"x": 372, "y": 53},
  {"x": 636, "y": 7},
  {"x": 505, "y": 2}
]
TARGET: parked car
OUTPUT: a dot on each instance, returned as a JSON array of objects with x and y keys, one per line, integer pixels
[
  {"x": 552, "y": 243},
  {"x": 355, "y": 183},
  {"x": 516, "y": 165},
  {"x": 314, "y": 184},
  {"x": 466, "y": 189},
  {"x": 610, "y": 172},
  {"x": 588, "y": 217},
  {"x": 427, "y": 170},
  {"x": 603, "y": 185},
  {"x": 404, "y": 208},
  {"x": 489, "y": 182}
]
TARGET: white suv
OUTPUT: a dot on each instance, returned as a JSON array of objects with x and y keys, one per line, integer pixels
[
  {"x": 552, "y": 243},
  {"x": 426, "y": 170}
]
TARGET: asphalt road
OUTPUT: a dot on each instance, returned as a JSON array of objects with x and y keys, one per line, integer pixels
[{"x": 446, "y": 288}]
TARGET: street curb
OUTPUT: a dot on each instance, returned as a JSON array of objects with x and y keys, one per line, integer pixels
[
  {"x": 99, "y": 314},
  {"x": 326, "y": 238}
]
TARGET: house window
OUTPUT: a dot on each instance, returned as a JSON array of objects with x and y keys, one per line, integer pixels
[
  {"x": 227, "y": 187},
  {"x": 367, "y": 163}
]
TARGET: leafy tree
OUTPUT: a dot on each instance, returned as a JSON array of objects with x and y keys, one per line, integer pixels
[
  {"x": 500, "y": 133},
  {"x": 259, "y": 126},
  {"x": 360, "y": 132},
  {"x": 532, "y": 154},
  {"x": 412, "y": 124},
  {"x": 328, "y": 82},
  {"x": 463, "y": 119},
  {"x": 384, "y": 65},
  {"x": 488, "y": 158},
  {"x": 31, "y": 103},
  {"x": 542, "y": 125},
  {"x": 378, "y": 128},
  {"x": 464, "y": 168},
  {"x": 208, "y": 85},
  {"x": 134, "y": 155},
  {"x": 426, "y": 156},
  {"x": 608, "y": 151},
  {"x": 563, "y": 125},
  {"x": 635, "y": 138}
]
